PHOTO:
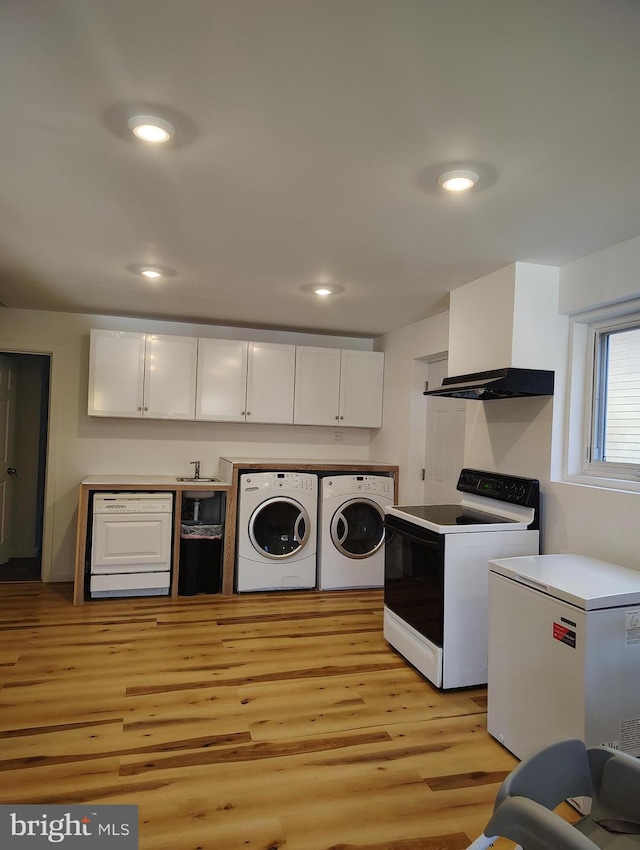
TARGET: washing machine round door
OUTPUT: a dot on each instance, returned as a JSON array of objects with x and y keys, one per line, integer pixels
[
  {"x": 357, "y": 528},
  {"x": 279, "y": 528}
]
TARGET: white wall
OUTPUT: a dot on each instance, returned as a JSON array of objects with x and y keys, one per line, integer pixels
[
  {"x": 401, "y": 440},
  {"x": 81, "y": 445},
  {"x": 481, "y": 323},
  {"x": 602, "y": 278},
  {"x": 525, "y": 436},
  {"x": 520, "y": 436},
  {"x": 597, "y": 521}
]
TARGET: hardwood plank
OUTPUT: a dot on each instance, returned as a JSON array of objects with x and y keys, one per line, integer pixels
[
  {"x": 466, "y": 780},
  {"x": 256, "y": 721}
]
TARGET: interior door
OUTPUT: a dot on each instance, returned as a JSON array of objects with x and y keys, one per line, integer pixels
[
  {"x": 444, "y": 447},
  {"x": 7, "y": 471}
]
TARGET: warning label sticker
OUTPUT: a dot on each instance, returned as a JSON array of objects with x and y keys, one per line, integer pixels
[
  {"x": 630, "y": 736},
  {"x": 564, "y": 635},
  {"x": 632, "y": 628}
]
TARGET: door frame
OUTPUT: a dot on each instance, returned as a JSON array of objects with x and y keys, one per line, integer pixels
[{"x": 54, "y": 352}]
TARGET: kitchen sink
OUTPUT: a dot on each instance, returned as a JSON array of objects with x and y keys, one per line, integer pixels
[{"x": 200, "y": 480}]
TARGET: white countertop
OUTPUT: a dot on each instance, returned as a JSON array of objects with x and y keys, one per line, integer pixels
[
  {"x": 296, "y": 461},
  {"x": 150, "y": 481}
]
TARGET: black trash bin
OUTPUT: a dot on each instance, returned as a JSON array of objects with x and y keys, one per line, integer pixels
[{"x": 200, "y": 558}]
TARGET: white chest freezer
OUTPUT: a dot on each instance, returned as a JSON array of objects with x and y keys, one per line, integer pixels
[{"x": 564, "y": 653}]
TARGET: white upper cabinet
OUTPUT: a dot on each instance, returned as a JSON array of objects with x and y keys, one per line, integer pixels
[
  {"x": 317, "y": 396},
  {"x": 133, "y": 374},
  {"x": 361, "y": 380},
  {"x": 270, "y": 382},
  {"x": 116, "y": 373},
  {"x": 170, "y": 377},
  {"x": 339, "y": 387},
  {"x": 222, "y": 380},
  {"x": 245, "y": 381}
]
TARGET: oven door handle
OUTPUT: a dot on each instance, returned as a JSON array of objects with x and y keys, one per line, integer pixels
[{"x": 432, "y": 544}]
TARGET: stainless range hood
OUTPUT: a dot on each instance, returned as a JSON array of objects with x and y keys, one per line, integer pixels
[{"x": 497, "y": 383}]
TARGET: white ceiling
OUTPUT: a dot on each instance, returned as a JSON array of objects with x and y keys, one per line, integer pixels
[{"x": 310, "y": 137}]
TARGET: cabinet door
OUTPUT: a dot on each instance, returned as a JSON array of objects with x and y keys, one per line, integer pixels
[
  {"x": 116, "y": 373},
  {"x": 270, "y": 382},
  {"x": 222, "y": 380},
  {"x": 170, "y": 377},
  {"x": 317, "y": 386},
  {"x": 361, "y": 376}
]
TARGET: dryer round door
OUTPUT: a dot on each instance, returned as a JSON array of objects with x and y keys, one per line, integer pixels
[
  {"x": 279, "y": 528},
  {"x": 357, "y": 528}
]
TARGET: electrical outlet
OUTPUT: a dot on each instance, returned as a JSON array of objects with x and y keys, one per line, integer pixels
[{"x": 338, "y": 436}]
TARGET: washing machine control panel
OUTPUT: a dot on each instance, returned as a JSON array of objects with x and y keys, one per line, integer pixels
[
  {"x": 372, "y": 485},
  {"x": 287, "y": 481}
]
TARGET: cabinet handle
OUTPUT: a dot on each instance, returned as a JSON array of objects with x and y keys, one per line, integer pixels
[
  {"x": 342, "y": 417},
  {"x": 248, "y": 413},
  {"x": 139, "y": 408},
  {"x": 145, "y": 408},
  {"x": 337, "y": 417}
]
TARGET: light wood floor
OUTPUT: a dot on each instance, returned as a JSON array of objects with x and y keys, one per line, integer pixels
[{"x": 250, "y": 722}]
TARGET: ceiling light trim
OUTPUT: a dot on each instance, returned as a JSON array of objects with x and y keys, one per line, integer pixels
[
  {"x": 323, "y": 290},
  {"x": 458, "y": 180},
  {"x": 151, "y": 129},
  {"x": 151, "y": 271}
]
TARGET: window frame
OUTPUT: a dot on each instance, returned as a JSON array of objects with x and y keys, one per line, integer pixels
[{"x": 588, "y": 395}]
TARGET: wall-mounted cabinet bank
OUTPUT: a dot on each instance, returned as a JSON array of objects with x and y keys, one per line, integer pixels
[{"x": 172, "y": 377}]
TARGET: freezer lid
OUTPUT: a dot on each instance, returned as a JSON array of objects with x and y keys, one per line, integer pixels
[{"x": 584, "y": 582}]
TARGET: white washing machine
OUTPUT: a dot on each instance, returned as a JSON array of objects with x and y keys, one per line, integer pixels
[
  {"x": 277, "y": 531},
  {"x": 351, "y": 550}
]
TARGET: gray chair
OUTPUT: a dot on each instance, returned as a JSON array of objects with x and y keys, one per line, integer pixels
[{"x": 523, "y": 811}]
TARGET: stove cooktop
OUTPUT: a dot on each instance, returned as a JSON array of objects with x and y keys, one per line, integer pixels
[
  {"x": 490, "y": 502},
  {"x": 452, "y": 515},
  {"x": 449, "y": 519}
]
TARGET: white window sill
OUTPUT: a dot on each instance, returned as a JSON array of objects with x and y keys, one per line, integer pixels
[{"x": 620, "y": 485}]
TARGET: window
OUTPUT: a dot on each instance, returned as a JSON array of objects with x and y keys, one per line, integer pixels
[
  {"x": 616, "y": 398},
  {"x": 602, "y": 425},
  {"x": 603, "y": 447}
]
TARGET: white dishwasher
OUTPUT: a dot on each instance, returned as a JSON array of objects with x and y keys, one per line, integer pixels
[{"x": 131, "y": 544}]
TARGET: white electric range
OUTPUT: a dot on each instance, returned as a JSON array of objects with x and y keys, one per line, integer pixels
[{"x": 437, "y": 572}]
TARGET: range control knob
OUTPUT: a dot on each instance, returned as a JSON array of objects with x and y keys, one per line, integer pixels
[{"x": 517, "y": 492}]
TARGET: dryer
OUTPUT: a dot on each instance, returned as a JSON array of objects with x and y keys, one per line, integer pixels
[
  {"x": 277, "y": 531},
  {"x": 351, "y": 550}
]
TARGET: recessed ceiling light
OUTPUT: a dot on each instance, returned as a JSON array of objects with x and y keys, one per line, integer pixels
[
  {"x": 149, "y": 128},
  {"x": 458, "y": 181},
  {"x": 151, "y": 272},
  {"x": 323, "y": 290}
]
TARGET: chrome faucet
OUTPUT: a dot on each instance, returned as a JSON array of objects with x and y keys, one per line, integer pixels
[{"x": 196, "y": 471}]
